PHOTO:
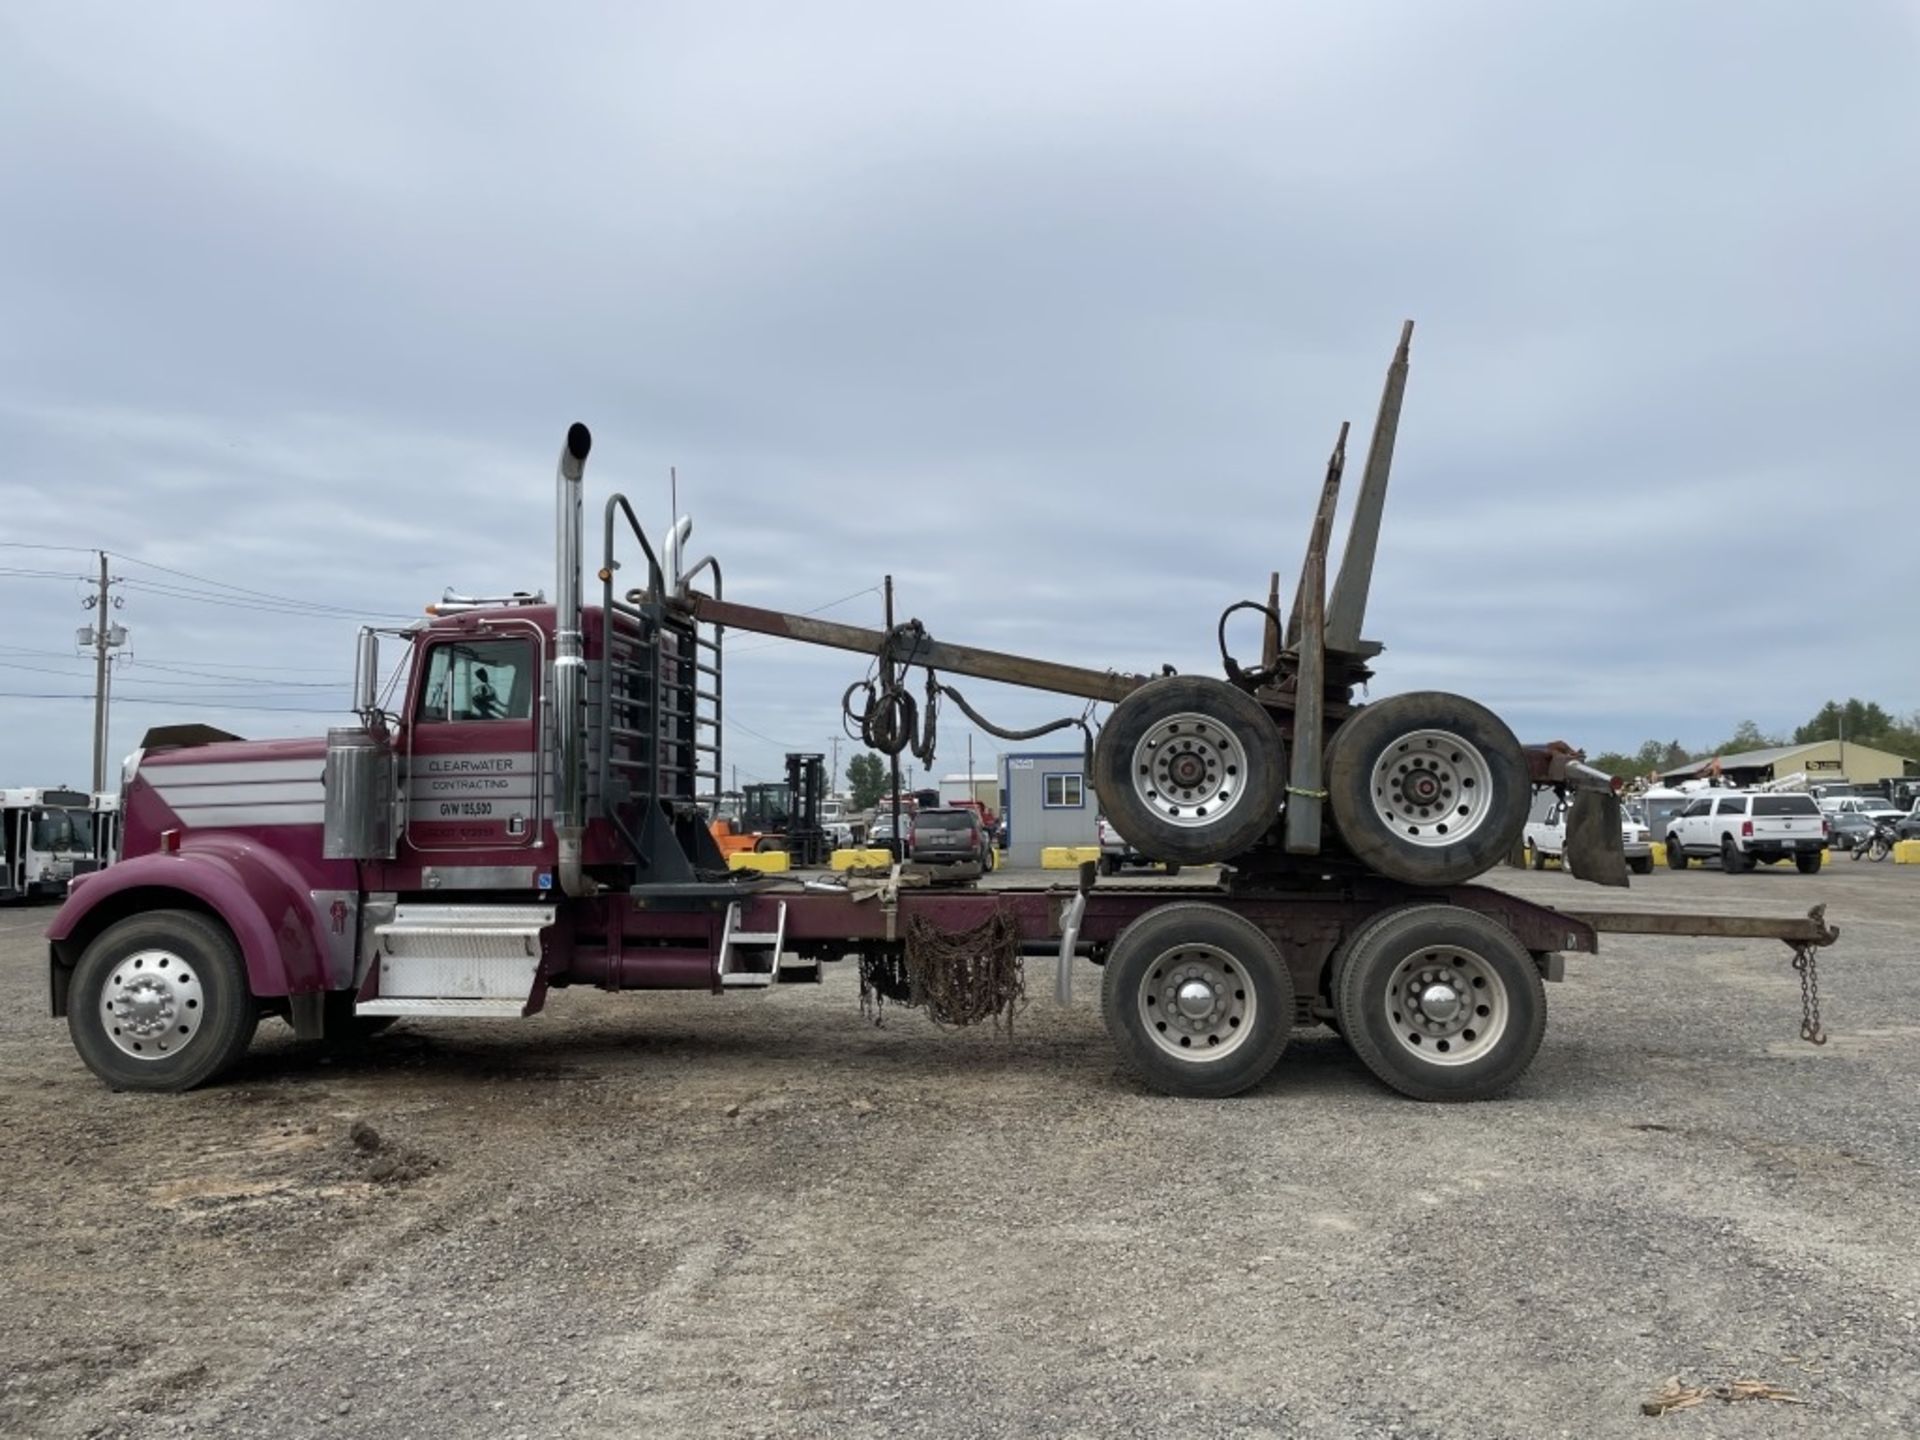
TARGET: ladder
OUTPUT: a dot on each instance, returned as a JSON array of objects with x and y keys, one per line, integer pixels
[{"x": 751, "y": 958}]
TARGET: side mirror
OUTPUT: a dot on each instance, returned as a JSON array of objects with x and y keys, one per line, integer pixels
[{"x": 366, "y": 673}]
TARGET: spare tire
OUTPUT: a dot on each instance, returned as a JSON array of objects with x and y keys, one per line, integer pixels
[
  {"x": 1428, "y": 788},
  {"x": 1190, "y": 770}
]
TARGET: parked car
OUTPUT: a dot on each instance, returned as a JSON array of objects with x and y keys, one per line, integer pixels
[
  {"x": 1907, "y": 827},
  {"x": 1848, "y": 829},
  {"x": 1873, "y": 807},
  {"x": 949, "y": 836},
  {"x": 1744, "y": 829},
  {"x": 1546, "y": 838},
  {"x": 880, "y": 833},
  {"x": 1116, "y": 853}
]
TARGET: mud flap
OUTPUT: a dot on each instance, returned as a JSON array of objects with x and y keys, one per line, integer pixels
[{"x": 1595, "y": 848}]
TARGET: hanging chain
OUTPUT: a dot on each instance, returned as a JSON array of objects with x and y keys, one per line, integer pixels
[{"x": 1805, "y": 961}]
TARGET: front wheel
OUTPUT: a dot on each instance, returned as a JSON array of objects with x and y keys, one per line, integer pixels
[
  {"x": 1428, "y": 788},
  {"x": 1676, "y": 853},
  {"x": 1441, "y": 1003},
  {"x": 160, "y": 1002},
  {"x": 1879, "y": 849},
  {"x": 1197, "y": 1000},
  {"x": 1536, "y": 860}
]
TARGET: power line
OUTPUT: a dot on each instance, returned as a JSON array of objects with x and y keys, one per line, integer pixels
[
  {"x": 170, "y": 700},
  {"x": 259, "y": 607},
  {"x": 225, "y": 585},
  {"x": 134, "y": 662},
  {"x": 24, "y": 574}
]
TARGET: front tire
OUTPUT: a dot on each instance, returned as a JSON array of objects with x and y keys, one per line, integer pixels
[
  {"x": 1190, "y": 769},
  {"x": 1197, "y": 1000},
  {"x": 1441, "y": 1003},
  {"x": 160, "y": 1002},
  {"x": 1676, "y": 854},
  {"x": 1535, "y": 859},
  {"x": 1428, "y": 788}
]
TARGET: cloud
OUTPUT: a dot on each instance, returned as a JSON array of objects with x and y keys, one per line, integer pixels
[{"x": 1050, "y": 312}]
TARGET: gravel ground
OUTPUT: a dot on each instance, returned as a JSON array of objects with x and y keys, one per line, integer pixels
[{"x": 688, "y": 1216}]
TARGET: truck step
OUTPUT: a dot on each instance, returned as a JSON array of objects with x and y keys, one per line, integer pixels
[
  {"x": 750, "y": 959},
  {"x": 459, "y": 955},
  {"x": 446, "y": 1007}
]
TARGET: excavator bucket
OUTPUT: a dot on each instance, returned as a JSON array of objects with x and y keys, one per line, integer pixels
[{"x": 1595, "y": 851}]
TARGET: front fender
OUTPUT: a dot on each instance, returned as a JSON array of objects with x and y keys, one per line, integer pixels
[{"x": 262, "y": 899}]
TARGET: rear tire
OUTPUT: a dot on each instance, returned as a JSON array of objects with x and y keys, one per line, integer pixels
[
  {"x": 160, "y": 1002},
  {"x": 1807, "y": 864},
  {"x": 1441, "y": 1003},
  {"x": 1641, "y": 864},
  {"x": 1731, "y": 860},
  {"x": 1535, "y": 859},
  {"x": 1428, "y": 788},
  {"x": 1172, "y": 868},
  {"x": 1157, "y": 976},
  {"x": 1109, "y": 865},
  {"x": 1190, "y": 769}
]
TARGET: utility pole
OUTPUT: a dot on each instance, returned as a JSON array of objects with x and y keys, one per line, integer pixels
[
  {"x": 104, "y": 637},
  {"x": 833, "y": 779}
]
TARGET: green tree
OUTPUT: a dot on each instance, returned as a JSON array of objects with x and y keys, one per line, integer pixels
[
  {"x": 1861, "y": 720},
  {"x": 866, "y": 779}
]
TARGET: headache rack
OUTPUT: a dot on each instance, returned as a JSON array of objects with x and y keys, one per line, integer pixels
[{"x": 655, "y": 707}]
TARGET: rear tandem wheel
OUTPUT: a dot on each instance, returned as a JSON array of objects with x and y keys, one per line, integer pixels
[
  {"x": 1440, "y": 1002},
  {"x": 1197, "y": 999}
]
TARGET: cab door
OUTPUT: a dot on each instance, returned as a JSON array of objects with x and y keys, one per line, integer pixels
[{"x": 476, "y": 772}]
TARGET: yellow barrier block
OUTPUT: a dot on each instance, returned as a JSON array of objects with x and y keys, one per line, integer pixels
[
  {"x": 1659, "y": 848},
  {"x": 770, "y": 862},
  {"x": 860, "y": 859},
  {"x": 1906, "y": 852},
  {"x": 1067, "y": 857}
]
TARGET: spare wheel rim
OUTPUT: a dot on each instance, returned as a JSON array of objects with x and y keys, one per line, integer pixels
[
  {"x": 1189, "y": 770},
  {"x": 1432, "y": 788}
]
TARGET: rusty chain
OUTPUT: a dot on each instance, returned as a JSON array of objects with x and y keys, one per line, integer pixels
[{"x": 1806, "y": 963}]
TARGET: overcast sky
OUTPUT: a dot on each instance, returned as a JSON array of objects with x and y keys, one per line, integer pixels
[{"x": 1050, "y": 310}]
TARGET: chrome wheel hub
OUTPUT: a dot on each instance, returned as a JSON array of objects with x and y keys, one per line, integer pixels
[
  {"x": 1188, "y": 770},
  {"x": 1447, "y": 1005},
  {"x": 1196, "y": 1002},
  {"x": 152, "y": 1005},
  {"x": 1432, "y": 788}
]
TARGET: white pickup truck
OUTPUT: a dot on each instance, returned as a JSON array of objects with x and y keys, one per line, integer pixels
[
  {"x": 1545, "y": 837},
  {"x": 1745, "y": 829}
]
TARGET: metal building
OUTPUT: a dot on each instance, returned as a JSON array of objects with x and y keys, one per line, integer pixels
[
  {"x": 1818, "y": 759},
  {"x": 1050, "y": 801}
]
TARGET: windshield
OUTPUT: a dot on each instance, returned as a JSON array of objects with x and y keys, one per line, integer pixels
[
  {"x": 57, "y": 831},
  {"x": 1785, "y": 805}
]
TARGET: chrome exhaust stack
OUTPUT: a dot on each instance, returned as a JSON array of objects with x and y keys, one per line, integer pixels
[{"x": 569, "y": 663}]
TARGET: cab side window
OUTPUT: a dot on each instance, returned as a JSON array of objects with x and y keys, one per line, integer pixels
[
  {"x": 478, "y": 680},
  {"x": 1698, "y": 807},
  {"x": 1735, "y": 806}
]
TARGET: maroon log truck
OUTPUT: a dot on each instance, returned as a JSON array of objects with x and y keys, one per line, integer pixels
[{"x": 530, "y": 815}]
